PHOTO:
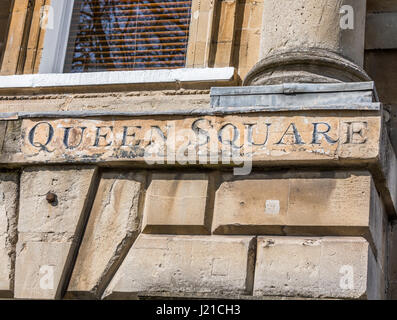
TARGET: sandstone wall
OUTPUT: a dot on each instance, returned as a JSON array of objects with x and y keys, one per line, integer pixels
[
  {"x": 138, "y": 233},
  {"x": 84, "y": 215}
]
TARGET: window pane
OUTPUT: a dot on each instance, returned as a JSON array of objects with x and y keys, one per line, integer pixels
[{"x": 128, "y": 35}]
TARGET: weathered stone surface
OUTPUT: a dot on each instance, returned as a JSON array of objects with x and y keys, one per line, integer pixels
[
  {"x": 329, "y": 267},
  {"x": 280, "y": 138},
  {"x": 185, "y": 265},
  {"x": 293, "y": 199},
  {"x": 8, "y": 236},
  {"x": 318, "y": 137},
  {"x": 302, "y": 203},
  {"x": 71, "y": 188},
  {"x": 113, "y": 225},
  {"x": 308, "y": 41},
  {"x": 48, "y": 232},
  {"x": 283, "y": 202},
  {"x": 177, "y": 202},
  {"x": 296, "y": 26},
  {"x": 149, "y": 101},
  {"x": 41, "y": 268}
]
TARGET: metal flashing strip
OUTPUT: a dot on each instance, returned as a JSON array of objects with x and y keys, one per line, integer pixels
[
  {"x": 282, "y": 95},
  {"x": 376, "y": 106}
]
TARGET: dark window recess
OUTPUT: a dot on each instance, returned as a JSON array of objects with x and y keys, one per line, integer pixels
[{"x": 107, "y": 35}]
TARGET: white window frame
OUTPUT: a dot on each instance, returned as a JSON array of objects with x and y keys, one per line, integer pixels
[
  {"x": 51, "y": 71},
  {"x": 56, "y": 37}
]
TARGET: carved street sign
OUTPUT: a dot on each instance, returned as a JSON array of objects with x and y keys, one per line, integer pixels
[{"x": 176, "y": 139}]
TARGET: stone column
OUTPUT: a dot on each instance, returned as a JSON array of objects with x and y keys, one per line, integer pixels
[{"x": 311, "y": 41}]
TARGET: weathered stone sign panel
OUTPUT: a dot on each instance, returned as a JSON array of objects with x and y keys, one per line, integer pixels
[{"x": 206, "y": 139}]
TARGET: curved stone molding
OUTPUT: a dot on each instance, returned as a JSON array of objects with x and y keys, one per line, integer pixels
[{"x": 305, "y": 65}]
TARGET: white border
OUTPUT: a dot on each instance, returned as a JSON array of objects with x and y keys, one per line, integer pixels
[{"x": 56, "y": 38}]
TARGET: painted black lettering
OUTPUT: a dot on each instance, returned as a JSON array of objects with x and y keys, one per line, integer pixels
[
  {"x": 99, "y": 136},
  {"x": 50, "y": 135},
  {"x": 317, "y": 134},
  {"x": 294, "y": 133},
  {"x": 67, "y": 134}
]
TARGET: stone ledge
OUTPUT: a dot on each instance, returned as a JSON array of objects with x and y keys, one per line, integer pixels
[{"x": 108, "y": 81}]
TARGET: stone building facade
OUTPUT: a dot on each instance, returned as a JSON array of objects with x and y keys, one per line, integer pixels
[{"x": 240, "y": 149}]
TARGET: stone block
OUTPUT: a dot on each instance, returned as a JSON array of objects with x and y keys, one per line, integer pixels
[
  {"x": 113, "y": 225},
  {"x": 302, "y": 203},
  {"x": 70, "y": 186},
  {"x": 178, "y": 203},
  {"x": 41, "y": 269},
  {"x": 8, "y": 235},
  {"x": 227, "y": 16},
  {"x": 223, "y": 54},
  {"x": 256, "y": 15},
  {"x": 49, "y": 228},
  {"x": 159, "y": 265},
  {"x": 328, "y": 267}
]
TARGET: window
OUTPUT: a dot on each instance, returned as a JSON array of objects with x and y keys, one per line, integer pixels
[
  {"x": 108, "y": 35},
  {"x": 5, "y": 7}
]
